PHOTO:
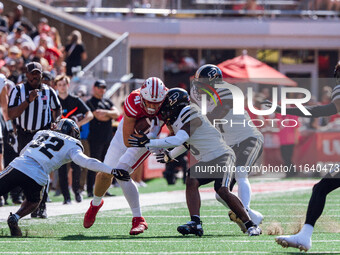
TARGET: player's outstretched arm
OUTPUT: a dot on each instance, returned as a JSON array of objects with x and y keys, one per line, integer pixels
[
  {"x": 315, "y": 110},
  {"x": 95, "y": 165}
]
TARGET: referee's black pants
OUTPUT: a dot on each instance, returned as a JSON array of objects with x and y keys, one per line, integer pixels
[{"x": 63, "y": 180}]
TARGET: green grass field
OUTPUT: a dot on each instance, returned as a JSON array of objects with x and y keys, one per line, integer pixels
[{"x": 109, "y": 235}]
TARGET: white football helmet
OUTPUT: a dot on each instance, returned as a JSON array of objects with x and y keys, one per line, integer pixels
[{"x": 152, "y": 93}]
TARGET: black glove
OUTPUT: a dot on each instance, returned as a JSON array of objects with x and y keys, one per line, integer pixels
[
  {"x": 163, "y": 157},
  {"x": 121, "y": 174},
  {"x": 136, "y": 141},
  {"x": 269, "y": 105},
  {"x": 11, "y": 139}
]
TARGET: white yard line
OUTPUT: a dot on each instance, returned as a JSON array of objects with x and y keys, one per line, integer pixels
[{"x": 159, "y": 198}]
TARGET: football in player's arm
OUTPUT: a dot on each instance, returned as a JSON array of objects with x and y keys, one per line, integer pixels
[
  {"x": 191, "y": 127},
  {"x": 48, "y": 150}
]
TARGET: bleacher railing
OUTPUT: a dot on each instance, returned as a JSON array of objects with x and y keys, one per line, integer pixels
[{"x": 202, "y": 8}]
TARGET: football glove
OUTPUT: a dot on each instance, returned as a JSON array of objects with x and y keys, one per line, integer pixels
[
  {"x": 164, "y": 157},
  {"x": 136, "y": 141},
  {"x": 121, "y": 174},
  {"x": 154, "y": 129}
]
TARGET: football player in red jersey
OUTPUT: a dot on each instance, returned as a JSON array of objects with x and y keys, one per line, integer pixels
[{"x": 143, "y": 102}]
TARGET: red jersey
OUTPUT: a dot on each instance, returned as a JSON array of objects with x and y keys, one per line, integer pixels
[{"x": 133, "y": 107}]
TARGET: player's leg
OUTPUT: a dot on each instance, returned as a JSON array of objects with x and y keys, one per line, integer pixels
[
  {"x": 103, "y": 180},
  {"x": 32, "y": 191},
  {"x": 249, "y": 151},
  {"x": 222, "y": 189},
  {"x": 303, "y": 239},
  {"x": 130, "y": 161},
  {"x": 194, "y": 226}
]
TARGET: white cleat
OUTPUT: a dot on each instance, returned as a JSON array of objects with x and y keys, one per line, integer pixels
[
  {"x": 295, "y": 241},
  {"x": 255, "y": 216},
  {"x": 254, "y": 231},
  {"x": 233, "y": 217}
]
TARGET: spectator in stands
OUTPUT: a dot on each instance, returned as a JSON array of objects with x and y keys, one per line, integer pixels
[
  {"x": 75, "y": 53},
  {"x": 101, "y": 131},
  {"x": 72, "y": 107},
  {"x": 44, "y": 31},
  {"x": 3, "y": 22},
  {"x": 27, "y": 52},
  {"x": 19, "y": 18},
  {"x": 48, "y": 79},
  {"x": 40, "y": 57},
  {"x": 54, "y": 34},
  {"x": 42, "y": 21},
  {"x": 52, "y": 54},
  {"x": 3, "y": 53},
  {"x": 19, "y": 33},
  {"x": 14, "y": 53}
]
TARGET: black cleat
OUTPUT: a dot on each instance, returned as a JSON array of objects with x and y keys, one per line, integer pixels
[
  {"x": 78, "y": 197},
  {"x": 35, "y": 213},
  {"x": 191, "y": 228},
  {"x": 42, "y": 213},
  {"x": 13, "y": 225}
]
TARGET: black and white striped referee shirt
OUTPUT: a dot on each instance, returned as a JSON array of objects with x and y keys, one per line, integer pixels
[{"x": 38, "y": 114}]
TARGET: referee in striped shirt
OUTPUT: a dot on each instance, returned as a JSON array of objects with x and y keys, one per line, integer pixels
[{"x": 33, "y": 105}]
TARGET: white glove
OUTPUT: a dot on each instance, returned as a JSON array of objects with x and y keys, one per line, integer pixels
[{"x": 154, "y": 129}]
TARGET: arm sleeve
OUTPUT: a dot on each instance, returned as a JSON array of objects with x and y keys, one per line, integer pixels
[
  {"x": 90, "y": 163},
  {"x": 170, "y": 141},
  {"x": 178, "y": 151},
  {"x": 315, "y": 110}
]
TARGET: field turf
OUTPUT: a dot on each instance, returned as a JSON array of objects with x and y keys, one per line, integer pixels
[{"x": 284, "y": 212}]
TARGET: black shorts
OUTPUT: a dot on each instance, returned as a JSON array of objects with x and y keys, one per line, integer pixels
[
  {"x": 248, "y": 151},
  {"x": 221, "y": 178},
  {"x": 11, "y": 178}
]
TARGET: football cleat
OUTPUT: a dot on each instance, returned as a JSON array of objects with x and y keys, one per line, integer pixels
[
  {"x": 90, "y": 215},
  {"x": 191, "y": 228},
  {"x": 233, "y": 217},
  {"x": 13, "y": 225},
  {"x": 255, "y": 216},
  {"x": 138, "y": 225},
  {"x": 254, "y": 231},
  {"x": 295, "y": 241}
]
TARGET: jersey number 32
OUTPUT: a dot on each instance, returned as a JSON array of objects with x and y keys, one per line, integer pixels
[{"x": 46, "y": 143}]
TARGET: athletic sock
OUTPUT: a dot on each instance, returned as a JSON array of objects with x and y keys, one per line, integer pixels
[
  {"x": 307, "y": 230},
  {"x": 96, "y": 200},
  {"x": 196, "y": 219},
  {"x": 249, "y": 224}
]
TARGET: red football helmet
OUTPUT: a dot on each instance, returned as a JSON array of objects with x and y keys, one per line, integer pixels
[{"x": 152, "y": 93}]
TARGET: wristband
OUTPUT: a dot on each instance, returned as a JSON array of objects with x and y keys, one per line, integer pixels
[{"x": 27, "y": 99}]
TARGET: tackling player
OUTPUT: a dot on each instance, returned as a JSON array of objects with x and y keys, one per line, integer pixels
[
  {"x": 143, "y": 102},
  {"x": 48, "y": 150},
  {"x": 192, "y": 128},
  {"x": 331, "y": 181},
  {"x": 245, "y": 140}
]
